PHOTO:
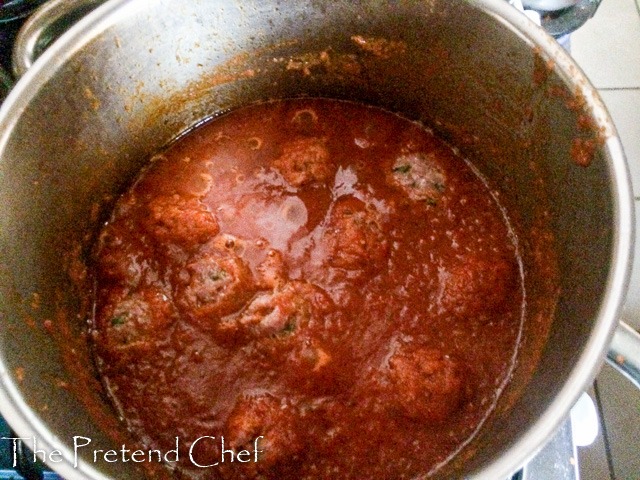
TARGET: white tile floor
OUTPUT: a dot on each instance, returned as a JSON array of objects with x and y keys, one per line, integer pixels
[
  {"x": 624, "y": 106},
  {"x": 608, "y": 46},
  {"x": 608, "y": 50}
]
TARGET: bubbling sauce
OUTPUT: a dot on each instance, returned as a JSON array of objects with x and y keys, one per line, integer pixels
[{"x": 324, "y": 280}]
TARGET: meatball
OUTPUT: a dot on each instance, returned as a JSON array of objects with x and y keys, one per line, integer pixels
[
  {"x": 176, "y": 220},
  {"x": 424, "y": 384},
  {"x": 476, "y": 286},
  {"x": 122, "y": 260},
  {"x": 354, "y": 236},
  {"x": 269, "y": 417},
  {"x": 304, "y": 161},
  {"x": 285, "y": 310},
  {"x": 217, "y": 282},
  {"x": 419, "y": 176},
  {"x": 134, "y": 324}
]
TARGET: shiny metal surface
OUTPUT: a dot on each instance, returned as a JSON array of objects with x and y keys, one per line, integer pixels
[
  {"x": 548, "y": 5},
  {"x": 557, "y": 460},
  {"x": 44, "y": 26},
  {"x": 624, "y": 353},
  {"x": 13, "y": 9},
  {"x": 569, "y": 19},
  {"x": 132, "y": 75}
]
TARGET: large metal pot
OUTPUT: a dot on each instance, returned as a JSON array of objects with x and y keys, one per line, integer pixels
[{"x": 133, "y": 74}]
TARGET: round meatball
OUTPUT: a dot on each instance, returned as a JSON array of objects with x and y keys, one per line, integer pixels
[
  {"x": 424, "y": 384},
  {"x": 134, "y": 324},
  {"x": 263, "y": 415},
  {"x": 354, "y": 236},
  {"x": 217, "y": 282},
  {"x": 181, "y": 221},
  {"x": 476, "y": 286},
  {"x": 285, "y": 310},
  {"x": 419, "y": 176},
  {"x": 122, "y": 260},
  {"x": 304, "y": 161}
]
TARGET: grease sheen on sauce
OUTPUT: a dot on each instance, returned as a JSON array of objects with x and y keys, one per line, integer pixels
[{"x": 326, "y": 275}]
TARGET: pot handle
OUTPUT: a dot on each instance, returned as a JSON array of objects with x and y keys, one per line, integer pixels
[
  {"x": 6, "y": 82},
  {"x": 624, "y": 352},
  {"x": 43, "y": 27}
]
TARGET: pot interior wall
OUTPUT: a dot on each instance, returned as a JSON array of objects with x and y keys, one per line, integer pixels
[{"x": 142, "y": 76}]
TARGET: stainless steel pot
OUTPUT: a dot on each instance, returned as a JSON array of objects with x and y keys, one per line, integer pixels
[
  {"x": 132, "y": 75},
  {"x": 548, "y": 5}
]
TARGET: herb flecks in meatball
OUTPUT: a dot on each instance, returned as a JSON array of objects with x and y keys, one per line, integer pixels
[
  {"x": 176, "y": 220},
  {"x": 131, "y": 324},
  {"x": 285, "y": 310},
  {"x": 419, "y": 176},
  {"x": 355, "y": 236},
  {"x": 215, "y": 283},
  {"x": 304, "y": 161},
  {"x": 425, "y": 384}
]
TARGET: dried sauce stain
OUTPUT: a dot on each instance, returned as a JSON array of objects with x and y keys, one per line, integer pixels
[
  {"x": 327, "y": 60},
  {"x": 242, "y": 66},
  {"x": 380, "y": 47},
  {"x": 542, "y": 69},
  {"x": 306, "y": 62},
  {"x": 89, "y": 95},
  {"x": 583, "y": 151},
  {"x": 75, "y": 266},
  {"x": 30, "y": 321},
  {"x": 60, "y": 383},
  {"x": 35, "y": 301},
  {"x": 589, "y": 136},
  {"x": 577, "y": 102},
  {"x": 95, "y": 212},
  {"x": 586, "y": 123}
]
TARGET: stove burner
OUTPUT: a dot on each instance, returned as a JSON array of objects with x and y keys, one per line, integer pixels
[
  {"x": 14, "y": 9},
  {"x": 566, "y": 20}
]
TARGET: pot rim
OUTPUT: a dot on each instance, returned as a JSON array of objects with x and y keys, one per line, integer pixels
[
  {"x": 25, "y": 421},
  {"x": 13, "y": 407},
  {"x": 594, "y": 352}
]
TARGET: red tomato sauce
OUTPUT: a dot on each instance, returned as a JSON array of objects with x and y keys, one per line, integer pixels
[{"x": 328, "y": 278}]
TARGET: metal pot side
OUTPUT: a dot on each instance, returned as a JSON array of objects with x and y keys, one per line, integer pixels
[{"x": 129, "y": 77}]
